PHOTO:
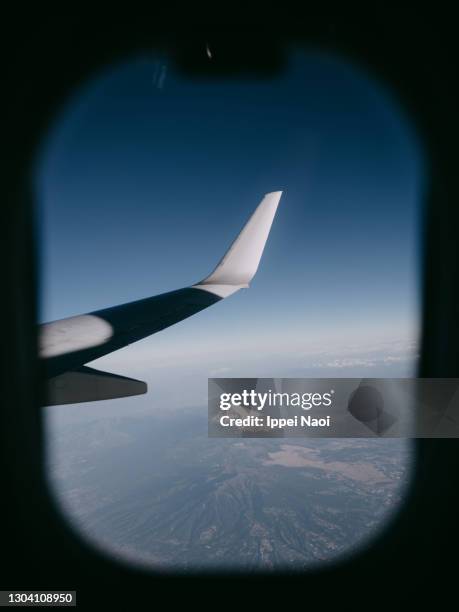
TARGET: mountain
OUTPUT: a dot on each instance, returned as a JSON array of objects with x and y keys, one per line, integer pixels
[{"x": 156, "y": 490}]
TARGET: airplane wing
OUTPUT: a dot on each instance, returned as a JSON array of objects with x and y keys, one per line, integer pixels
[{"x": 68, "y": 344}]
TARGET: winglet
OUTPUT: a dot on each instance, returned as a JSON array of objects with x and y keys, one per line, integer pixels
[{"x": 240, "y": 263}]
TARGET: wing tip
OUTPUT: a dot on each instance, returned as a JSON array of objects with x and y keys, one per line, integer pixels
[{"x": 240, "y": 263}]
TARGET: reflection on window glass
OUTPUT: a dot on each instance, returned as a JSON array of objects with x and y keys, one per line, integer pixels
[{"x": 143, "y": 181}]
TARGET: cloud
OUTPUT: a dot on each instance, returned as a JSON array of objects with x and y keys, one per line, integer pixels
[
  {"x": 355, "y": 362},
  {"x": 399, "y": 358},
  {"x": 346, "y": 363},
  {"x": 219, "y": 371}
]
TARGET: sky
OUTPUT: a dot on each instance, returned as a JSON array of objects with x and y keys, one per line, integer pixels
[{"x": 147, "y": 176}]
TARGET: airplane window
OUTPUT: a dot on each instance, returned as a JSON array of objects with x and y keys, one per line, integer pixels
[{"x": 143, "y": 182}]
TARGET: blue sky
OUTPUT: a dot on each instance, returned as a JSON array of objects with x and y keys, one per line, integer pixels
[{"x": 146, "y": 177}]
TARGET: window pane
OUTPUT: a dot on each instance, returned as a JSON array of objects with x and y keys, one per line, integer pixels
[{"x": 143, "y": 182}]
